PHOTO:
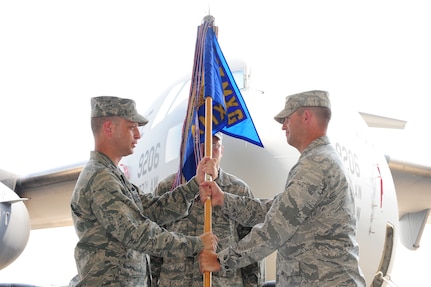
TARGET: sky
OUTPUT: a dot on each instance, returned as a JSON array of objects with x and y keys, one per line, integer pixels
[{"x": 56, "y": 55}]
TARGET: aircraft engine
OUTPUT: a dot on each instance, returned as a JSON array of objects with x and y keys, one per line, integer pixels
[{"x": 14, "y": 226}]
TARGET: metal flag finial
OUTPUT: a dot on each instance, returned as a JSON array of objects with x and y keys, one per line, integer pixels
[{"x": 209, "y": 18}]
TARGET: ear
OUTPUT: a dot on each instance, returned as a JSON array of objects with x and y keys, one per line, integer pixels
[
  {"x": 107, "y": 128},
  {"x": 307, "y": 115}
]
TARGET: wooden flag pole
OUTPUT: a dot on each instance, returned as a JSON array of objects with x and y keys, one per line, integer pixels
[{"x": 208, "y": 152}]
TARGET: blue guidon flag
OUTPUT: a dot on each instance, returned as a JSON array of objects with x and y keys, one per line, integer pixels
[{"x": 212, "y": 78}]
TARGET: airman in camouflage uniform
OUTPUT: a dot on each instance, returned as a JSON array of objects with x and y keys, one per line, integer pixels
[
  {"x": 114, "y": 220},
  {"x": 184, "y": 272},
  {"x": 311, "y": 224}
]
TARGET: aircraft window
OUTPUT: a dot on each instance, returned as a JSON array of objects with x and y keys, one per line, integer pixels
[
  {"x": 182, "y": 96},
  {"x": 173, "y": 142},
  {"x": 239, "y": 78},
  {"x": 162, "y": 112}
]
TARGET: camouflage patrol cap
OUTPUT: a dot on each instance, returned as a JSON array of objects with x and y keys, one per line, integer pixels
[
  {"x": 306, "y": 99},
  {"x": 106, "y": 106}
]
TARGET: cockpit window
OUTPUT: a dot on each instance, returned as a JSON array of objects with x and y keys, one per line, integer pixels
[
  {"x": 239, "y": 78},
  {"x": 182, "y": 95},
  {"x": 173, "y": 142},
  {"x": 167, "y": 103}
]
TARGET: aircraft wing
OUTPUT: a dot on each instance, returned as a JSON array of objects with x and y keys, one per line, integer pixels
[
  {"x": 413, "y": 187},
  {"x": 49, "y": 195},
  {"x": 375, "y": 121}
]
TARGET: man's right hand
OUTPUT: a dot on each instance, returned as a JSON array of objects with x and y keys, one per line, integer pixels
[{"x": 209, "y": 240}]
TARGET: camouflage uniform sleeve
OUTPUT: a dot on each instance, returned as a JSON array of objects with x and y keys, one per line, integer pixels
[
  {"x": 257, "y": 244},
  {"x": 288, "y": 211},
  {"x": 122, "y": 219},
  {"x": 170, "y": 206},
  {"x": 245, "y": 210}
]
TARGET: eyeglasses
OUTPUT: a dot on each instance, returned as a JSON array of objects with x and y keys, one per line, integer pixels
[{"x": 214, "y": 146}]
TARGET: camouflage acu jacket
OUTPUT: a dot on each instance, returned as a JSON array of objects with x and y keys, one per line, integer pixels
[
  {"x": 312, "y": 225},
  {"x": 115, "y": 224},
  {"x": 184, "y": 272}
]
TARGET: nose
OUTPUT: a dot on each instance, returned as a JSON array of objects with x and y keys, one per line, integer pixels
[
  {"x": 137, "y": 133},
  {"x": 284, "y": 125}
]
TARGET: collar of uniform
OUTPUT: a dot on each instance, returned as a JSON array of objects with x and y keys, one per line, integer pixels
[
  {"x": 103, "y": 159},
  {"x": 323, "y": 140}
]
